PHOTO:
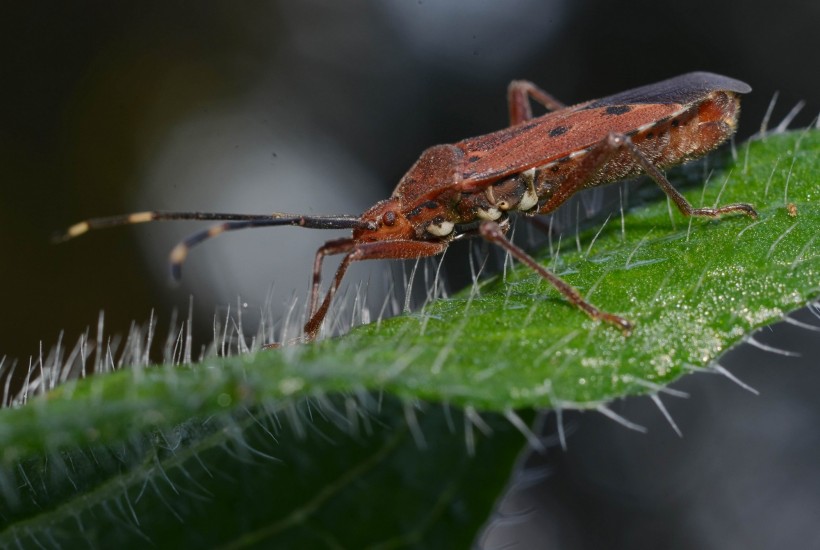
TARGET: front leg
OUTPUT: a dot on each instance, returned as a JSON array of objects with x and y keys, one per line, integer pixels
[
  {"x": 338, "y": 246},
  {"x": 380, "y": 250},
  {"x": 519, "y": 95}
]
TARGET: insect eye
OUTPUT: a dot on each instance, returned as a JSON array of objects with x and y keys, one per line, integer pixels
[{"x": 389, "y": 218}]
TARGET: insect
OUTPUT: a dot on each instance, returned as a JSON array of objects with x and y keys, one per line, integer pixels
[{"x": 470, "y": 188}]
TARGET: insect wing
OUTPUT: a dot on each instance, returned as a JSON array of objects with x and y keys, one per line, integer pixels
[
  {"x": 560, "y": 134},
  {"x": 551, "y": 138},
  {"x": 684, "y": 89}
]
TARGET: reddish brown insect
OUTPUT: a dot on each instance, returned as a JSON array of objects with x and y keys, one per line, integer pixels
[{"x": 469, "y": 188}]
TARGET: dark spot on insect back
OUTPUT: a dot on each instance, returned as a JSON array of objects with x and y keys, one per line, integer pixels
[
  {"x": 475, "y": 158},
  {"x": 618, "y": 109},
  {"x": 520, "y": 129},
  {"x": 431, "y": 205},
  {"x": 557, "y": 131}
]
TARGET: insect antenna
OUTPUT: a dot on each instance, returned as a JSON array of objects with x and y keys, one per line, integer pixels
[
  {"x": 181, "y": 250},
  {"x": 250, "y": 220},
  {"x": 233, "y": 222}
]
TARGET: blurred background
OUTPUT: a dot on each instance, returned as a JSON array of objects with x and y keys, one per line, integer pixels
[{"x": 319, "y": 107}]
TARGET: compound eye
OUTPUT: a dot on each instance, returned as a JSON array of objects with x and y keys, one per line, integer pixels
[{"x": 389, "y": 218}]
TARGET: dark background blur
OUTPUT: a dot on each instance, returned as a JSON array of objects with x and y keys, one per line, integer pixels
[{"x": 319, "y": 107}]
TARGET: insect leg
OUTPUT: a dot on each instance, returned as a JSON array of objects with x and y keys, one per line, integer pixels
[
  {"x": 618, "y": 140},
  {"x": 519, "y": 95},
  {"x": 338, "y": 246},
  {"x": 493, "y": 233},
  {"x": 385, "y": 250},
  {"x": 315, "y": 322}
]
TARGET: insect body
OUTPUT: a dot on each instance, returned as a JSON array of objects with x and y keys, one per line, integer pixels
[{"x": 470, "y": 188}]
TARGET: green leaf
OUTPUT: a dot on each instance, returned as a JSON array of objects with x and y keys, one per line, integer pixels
[
  {"x": 330, "y": 473},
  {"x": 126, "y": 456}
]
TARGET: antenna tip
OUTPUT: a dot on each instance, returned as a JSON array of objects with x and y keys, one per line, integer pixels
[
  {"x": 178, "y": 255},
  {"x": 74, "y": 231},
  {"x": 176, "y": 274}
]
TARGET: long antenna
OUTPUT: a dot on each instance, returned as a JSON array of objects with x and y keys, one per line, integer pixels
[
  {"x": 252, "y": 220},
  {"x": 180, "y": 252}
]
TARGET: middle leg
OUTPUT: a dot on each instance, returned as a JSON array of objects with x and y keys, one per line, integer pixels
[{"x": 495, "y": 234}]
